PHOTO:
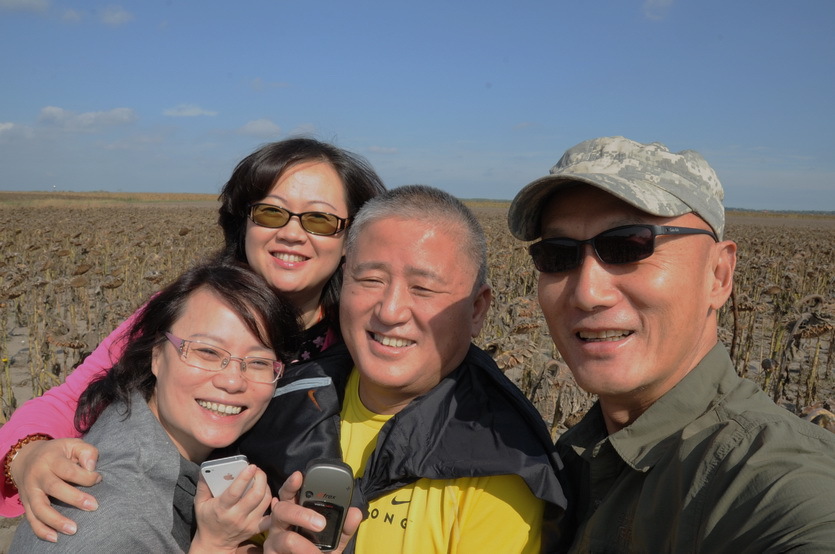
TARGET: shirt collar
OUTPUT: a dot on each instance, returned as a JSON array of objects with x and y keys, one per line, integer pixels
[{"x": 642, "y": 443}]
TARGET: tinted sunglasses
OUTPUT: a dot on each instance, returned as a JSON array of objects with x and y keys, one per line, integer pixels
[
  {"x": 315, "y": 223},
  {"x": 621, "y": 245}
]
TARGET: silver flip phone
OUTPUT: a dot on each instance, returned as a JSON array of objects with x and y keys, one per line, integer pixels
[{"x": 327, "y": 489}]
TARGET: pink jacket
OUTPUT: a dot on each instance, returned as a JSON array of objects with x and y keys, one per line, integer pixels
[{"x": 53, "y": 412}]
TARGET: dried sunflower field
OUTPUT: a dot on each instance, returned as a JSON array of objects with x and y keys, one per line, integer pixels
[{"x": 75, "y": 265}]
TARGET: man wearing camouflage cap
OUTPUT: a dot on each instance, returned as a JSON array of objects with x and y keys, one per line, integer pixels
[{"x": 679, "y": 454}]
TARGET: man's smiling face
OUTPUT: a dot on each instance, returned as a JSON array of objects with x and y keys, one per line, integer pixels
[
  {"x": 409, "y": 308},
  {"x": 629, "y": 332}
]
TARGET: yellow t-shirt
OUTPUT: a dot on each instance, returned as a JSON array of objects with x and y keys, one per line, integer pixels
[{"x": 468, "y": 515}]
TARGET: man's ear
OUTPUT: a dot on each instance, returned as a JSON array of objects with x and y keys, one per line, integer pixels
[
  {"x": 481, "y": 305},
  {"x": 723, "y": 273}
]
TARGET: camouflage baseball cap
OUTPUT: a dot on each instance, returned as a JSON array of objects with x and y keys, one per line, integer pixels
[{"x": 647, "y": 176}]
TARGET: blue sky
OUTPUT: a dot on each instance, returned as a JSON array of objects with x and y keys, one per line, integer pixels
[{"x": 475, "y": 97}]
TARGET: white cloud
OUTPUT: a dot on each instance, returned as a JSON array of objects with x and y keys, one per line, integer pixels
[
  {"x": 187, "y": 110},
  {"x": 13, "y": 131},
  {"x": 87, "y": 121},
  {"x": 71, "y": 15},
  {"x": 382, "y": 150},
  {"x": 25, "y": 5},
  {"x": 657, "y": 9},
  {"x": 115, "y": 15},
  {"x": 260, "y": 128}
]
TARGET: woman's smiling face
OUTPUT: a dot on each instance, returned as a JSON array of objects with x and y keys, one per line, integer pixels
[
  {"x": 291, "y": 259},
  {"x": 203, "y": 410}
]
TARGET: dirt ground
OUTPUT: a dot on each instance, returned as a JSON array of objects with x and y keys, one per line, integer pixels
[{"x": 7, "y": 529}]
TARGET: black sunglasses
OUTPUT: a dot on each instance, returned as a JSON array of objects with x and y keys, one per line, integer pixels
[
  {"x": 621, "y": 245},
  {"x": 315, "y": 223}
]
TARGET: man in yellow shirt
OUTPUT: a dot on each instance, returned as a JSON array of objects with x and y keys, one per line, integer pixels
[{"x": 449, "y": 456}]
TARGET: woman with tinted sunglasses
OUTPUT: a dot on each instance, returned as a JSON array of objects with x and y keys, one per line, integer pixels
[
  {"x": 283, "y": 212},
  {"x": 198, "y": 371}
]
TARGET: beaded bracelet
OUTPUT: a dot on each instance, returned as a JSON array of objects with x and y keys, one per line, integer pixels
[{"x": 10, "y": 456}]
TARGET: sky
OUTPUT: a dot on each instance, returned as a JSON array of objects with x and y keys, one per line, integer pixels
[{"x": 475, "y": 97}]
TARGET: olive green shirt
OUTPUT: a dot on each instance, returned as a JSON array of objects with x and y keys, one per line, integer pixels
[{"x": 713, "y": 466}]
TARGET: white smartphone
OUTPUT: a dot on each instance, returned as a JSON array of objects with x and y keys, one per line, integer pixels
[
  {"x": 327, "y": 489},
  {"x": 220, "y": 473}
]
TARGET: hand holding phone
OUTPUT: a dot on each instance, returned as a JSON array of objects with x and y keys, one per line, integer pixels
[
  {"x": 327, "y": 489},
  {"x": 220, "y": 473}
]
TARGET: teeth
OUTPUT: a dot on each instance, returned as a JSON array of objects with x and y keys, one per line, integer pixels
[
  {"x": 221, "y": 409},
  {"x": 392, "y": 341},
  {"x": 607, "y": 335},
  {"x": 289, "y": 257}
]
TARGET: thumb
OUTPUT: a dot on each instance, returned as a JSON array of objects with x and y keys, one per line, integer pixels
[
  {"x": 264, "y": 524},
  {"x": 203, "y": 493}
]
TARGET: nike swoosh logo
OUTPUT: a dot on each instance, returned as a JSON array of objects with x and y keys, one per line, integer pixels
[{"x": 395, "y": 502}]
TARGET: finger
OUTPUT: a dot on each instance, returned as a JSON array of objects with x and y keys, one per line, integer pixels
[
  {"x": 261, "y": 492},
  {"x": 288, "y": 542},
  {"x": 255, "y": 498},
  {"x": 203, "y": 493},
  {"x": 42, "y": 531},
  {"x": 264, "y": 524},
  {"x": 290, "y": 488},
  {"x": 352, "y": 522},
  {"x": 69, "y": 471},
  {"x": 287, "y": 514},
  {"x": 87, "y": 456},
  {"x": 259, "y": 486},
  {"x": 235, "y": 491},
  {"x": 59, "y": 490},
  {"x": 46, "y": 522}
]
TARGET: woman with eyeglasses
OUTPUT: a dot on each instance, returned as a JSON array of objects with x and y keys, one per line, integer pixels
[
  {"x": 199, "y": 367},
  {"x": 283, "y": 212}
]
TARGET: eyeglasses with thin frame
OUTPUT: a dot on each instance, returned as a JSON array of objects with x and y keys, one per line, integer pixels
[
  {"x": 621, "y": 245},
  {"x": 315, "y": 223},
  {"x": 209, "y": 357}
]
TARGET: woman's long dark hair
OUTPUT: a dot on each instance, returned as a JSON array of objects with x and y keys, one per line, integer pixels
[
  {"x": 255, "y": 176},
  {"x": 266, "y": 312}
]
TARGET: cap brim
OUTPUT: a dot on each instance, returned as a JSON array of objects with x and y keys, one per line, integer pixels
[
  {"x": 525, "y": 211},
  {"x": 525, "y": 214}
]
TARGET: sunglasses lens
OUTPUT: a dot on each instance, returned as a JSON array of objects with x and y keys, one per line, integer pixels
[
  {"x": 320, "y": 223},
  {"x": 317, "y": 223},
  {"x": 270, "y": 216},
  {"x": 624, "y": 245},
  {"x": 555, "y": 256}
]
